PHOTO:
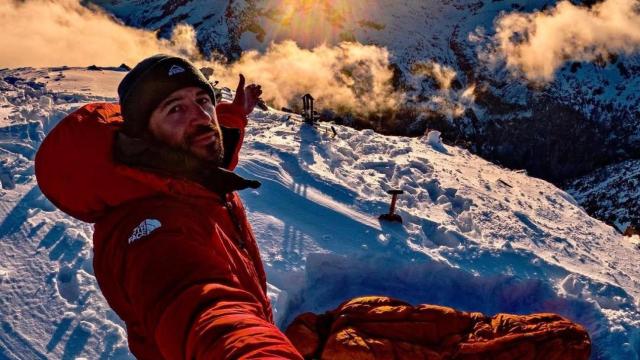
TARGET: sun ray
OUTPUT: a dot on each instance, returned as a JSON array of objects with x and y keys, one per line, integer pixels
[{"x": 311, "y": 23}]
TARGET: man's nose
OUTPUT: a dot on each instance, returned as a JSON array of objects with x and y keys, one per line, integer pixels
[{"x": 198, "y": 115}]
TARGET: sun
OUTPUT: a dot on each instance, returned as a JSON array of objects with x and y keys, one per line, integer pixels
[{"x": 311, "y": 23}]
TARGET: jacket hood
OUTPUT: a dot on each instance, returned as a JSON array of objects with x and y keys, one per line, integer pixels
[{"x": 76, "y": 171}]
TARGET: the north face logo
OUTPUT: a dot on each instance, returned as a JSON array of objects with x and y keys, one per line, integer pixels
[
  {"x": 144, "y": 229},
  {"x": 175, "y": 69}
]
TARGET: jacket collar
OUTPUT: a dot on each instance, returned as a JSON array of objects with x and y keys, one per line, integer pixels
[{"x": 148, "y": 155}]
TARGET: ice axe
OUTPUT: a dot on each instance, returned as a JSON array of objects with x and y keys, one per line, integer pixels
[{"x": 392, "y": 216}]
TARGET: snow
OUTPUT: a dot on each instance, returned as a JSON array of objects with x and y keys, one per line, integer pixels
[
  {"x": 611, "y": 193},
  {"x": 434, "y": 139},
  {"x": 475, "y": 236},
  {"x": 96, "y": 83}
]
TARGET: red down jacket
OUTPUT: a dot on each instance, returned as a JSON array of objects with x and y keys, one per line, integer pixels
[{"x": 178, "y": 263}]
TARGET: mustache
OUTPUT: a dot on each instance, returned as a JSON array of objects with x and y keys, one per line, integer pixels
[{"x": 199, "y": 131}]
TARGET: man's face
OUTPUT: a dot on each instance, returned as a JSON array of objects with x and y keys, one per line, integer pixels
[{"x": 187, "y": 120}]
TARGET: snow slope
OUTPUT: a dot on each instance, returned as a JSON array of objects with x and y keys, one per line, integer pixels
[
  {"x": 611, "y": 193},
  {"x": 475, "y": 236}
]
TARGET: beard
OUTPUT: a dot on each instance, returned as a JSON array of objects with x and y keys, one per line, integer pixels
[{"x": 213, "y": 151}]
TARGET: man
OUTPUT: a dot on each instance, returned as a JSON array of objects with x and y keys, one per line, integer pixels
[{"x": 174, "y": 254}]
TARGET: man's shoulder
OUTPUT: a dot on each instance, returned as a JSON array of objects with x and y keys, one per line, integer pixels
[{"x": 160, "y": 203}]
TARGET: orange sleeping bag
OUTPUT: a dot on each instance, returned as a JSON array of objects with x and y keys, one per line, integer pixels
[{"x": 385, "y": 328}]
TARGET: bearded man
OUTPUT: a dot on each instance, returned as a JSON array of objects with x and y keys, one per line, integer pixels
[{"x": 174, "y": 254}]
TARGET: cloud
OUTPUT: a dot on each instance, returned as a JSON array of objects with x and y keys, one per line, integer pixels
[
  {"x": 42, "y": 33},
  {"x": 447, "y": 95},
  {"x": 346, "y": 77},
  {"x": 538, "y": 43},
  {"x": 442, "y": 74}
]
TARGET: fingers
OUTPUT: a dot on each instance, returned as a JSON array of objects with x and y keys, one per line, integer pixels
[
  {"x": 240, "y": 84},
  {"x": 239, "y": 98},
  {"x": 254, "y": 90},
  {"x": 247, "y": 97}
]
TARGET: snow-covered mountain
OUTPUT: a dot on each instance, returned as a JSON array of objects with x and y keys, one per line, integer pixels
[
  {"x": 476, "y": 236},
  {"x": 611, "y": 193},
  {"x": 595, "y": 104},
  {"x": 585, "y": 118}
]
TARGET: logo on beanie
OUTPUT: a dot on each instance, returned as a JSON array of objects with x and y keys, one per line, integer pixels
[{"x": 175, "y": 69}]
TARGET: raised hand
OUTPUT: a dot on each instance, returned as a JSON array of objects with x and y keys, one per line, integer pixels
[{"x": 247, "y": 97}]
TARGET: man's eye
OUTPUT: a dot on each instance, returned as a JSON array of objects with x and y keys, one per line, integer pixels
[
  {"x": 204, "y": 101},
  {"x": 175, "y": 109}
]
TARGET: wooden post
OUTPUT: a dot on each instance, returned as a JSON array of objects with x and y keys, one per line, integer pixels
[{"x": 307, "y": 108}]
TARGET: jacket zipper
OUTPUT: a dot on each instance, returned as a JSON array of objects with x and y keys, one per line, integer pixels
[
  {"x": 236, "y": 222},
  {"x": 234, "y": 219}
]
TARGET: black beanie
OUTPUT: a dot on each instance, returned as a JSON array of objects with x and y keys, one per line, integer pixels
[{"x": 152, "y": 81}]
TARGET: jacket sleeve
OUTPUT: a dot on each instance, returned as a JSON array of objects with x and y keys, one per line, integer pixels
[
  {"x": 232, "y": 122},
  {"x": 191, "y": 302}
]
